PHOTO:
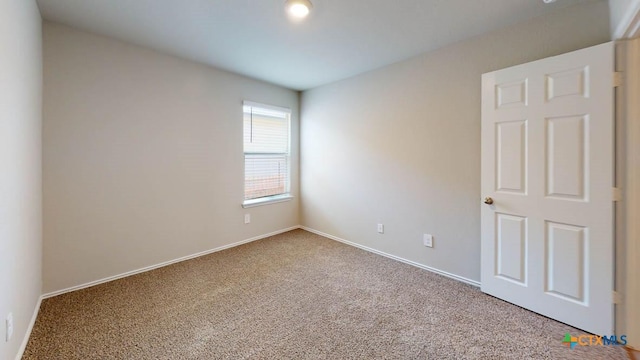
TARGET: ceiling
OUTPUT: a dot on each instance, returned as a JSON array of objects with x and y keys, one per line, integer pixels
[{"x": 340, "y": 38}]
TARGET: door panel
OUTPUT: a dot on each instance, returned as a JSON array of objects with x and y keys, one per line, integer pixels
[
  {"x": 547, "y": 163},
  {"x": 566, "y": 261},
  {"x": 512, "y": 94},
  {"x": 511, "y": 245},
  {"x": 511, "y": 156},
  {"x": 568, "y": 83},
  {"x": 567, "y": 158}
]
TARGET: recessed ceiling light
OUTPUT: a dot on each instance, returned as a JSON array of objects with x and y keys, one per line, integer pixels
[
  {"x": 549, "y": 1},
  {"x": 298, "y": 9}
]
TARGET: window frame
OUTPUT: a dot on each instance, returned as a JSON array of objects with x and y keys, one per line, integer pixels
[{"x": 276, "y": 198}]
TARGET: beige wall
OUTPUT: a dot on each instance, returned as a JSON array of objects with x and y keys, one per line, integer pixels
[
  {"x": 20, "y": 167},
  {"x": 143, "y": 158},
  {"x": 401, "y": 145}
]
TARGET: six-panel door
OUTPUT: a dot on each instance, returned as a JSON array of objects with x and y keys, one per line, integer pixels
[{"x": 547, "y": 163}]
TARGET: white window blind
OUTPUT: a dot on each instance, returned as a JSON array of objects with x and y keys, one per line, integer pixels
[{"x": 266, "y": 151}]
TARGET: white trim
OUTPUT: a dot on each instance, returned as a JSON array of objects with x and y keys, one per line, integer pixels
[
  {"x": 632, "y": 152},
  {"x": 266, "y": 106},
  {"x": 266, "y": 200},
  {"x": 27, "y": 334},
  {"x": 163, "y": 264},
  {"x": 188, "y": 257},
  {"x": 629, "y": 26},
  {"x": 397, "y": 258}
]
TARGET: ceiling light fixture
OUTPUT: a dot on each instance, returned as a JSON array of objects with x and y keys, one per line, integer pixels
[{"x": 298, "y": 9}]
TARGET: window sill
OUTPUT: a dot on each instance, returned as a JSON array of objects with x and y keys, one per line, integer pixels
[{"x": 266, "y": 200}]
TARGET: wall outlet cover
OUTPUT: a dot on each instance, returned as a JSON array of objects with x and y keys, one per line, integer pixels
[
  {"x": 9, "y": 326},
  {"x": 428, "y": 240}
]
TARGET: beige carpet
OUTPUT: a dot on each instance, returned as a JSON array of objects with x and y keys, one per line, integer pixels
[{"x": 294, "y": 296}]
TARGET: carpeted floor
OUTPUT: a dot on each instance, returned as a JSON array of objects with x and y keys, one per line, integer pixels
[{"x": 295, "y": 296}]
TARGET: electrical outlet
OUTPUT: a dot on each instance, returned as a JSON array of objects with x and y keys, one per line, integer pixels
[
  {"x": 9, "y": 326},
  {"x": 380, "y": 229},
  {"x": 428, "y": 240},
  {"x": 247, "y": 218}
]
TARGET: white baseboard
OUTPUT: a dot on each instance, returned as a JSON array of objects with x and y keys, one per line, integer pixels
[
  {"x": 397, "y": 258},
  {"x": 188, "y": 257},
  {"x": 206, "y": 252},
  {"x": 27, "y": 334},
  {"x": 166, "y": 263}
]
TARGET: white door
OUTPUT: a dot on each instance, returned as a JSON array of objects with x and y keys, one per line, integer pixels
[{"x": 547, "y": 165}]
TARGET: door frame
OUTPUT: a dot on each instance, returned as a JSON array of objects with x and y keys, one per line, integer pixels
[
  {"x": 628, "y": 179},
  {"x": 628, "y": 173}
]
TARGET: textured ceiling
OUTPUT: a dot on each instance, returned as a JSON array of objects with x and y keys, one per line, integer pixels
[{"x": 341, "y": 38}]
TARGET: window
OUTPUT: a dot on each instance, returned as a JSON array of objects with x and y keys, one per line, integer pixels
[{"x": 266, "y": 154}]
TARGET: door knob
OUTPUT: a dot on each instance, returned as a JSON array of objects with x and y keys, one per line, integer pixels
[{"x": 488, "y": 200}]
